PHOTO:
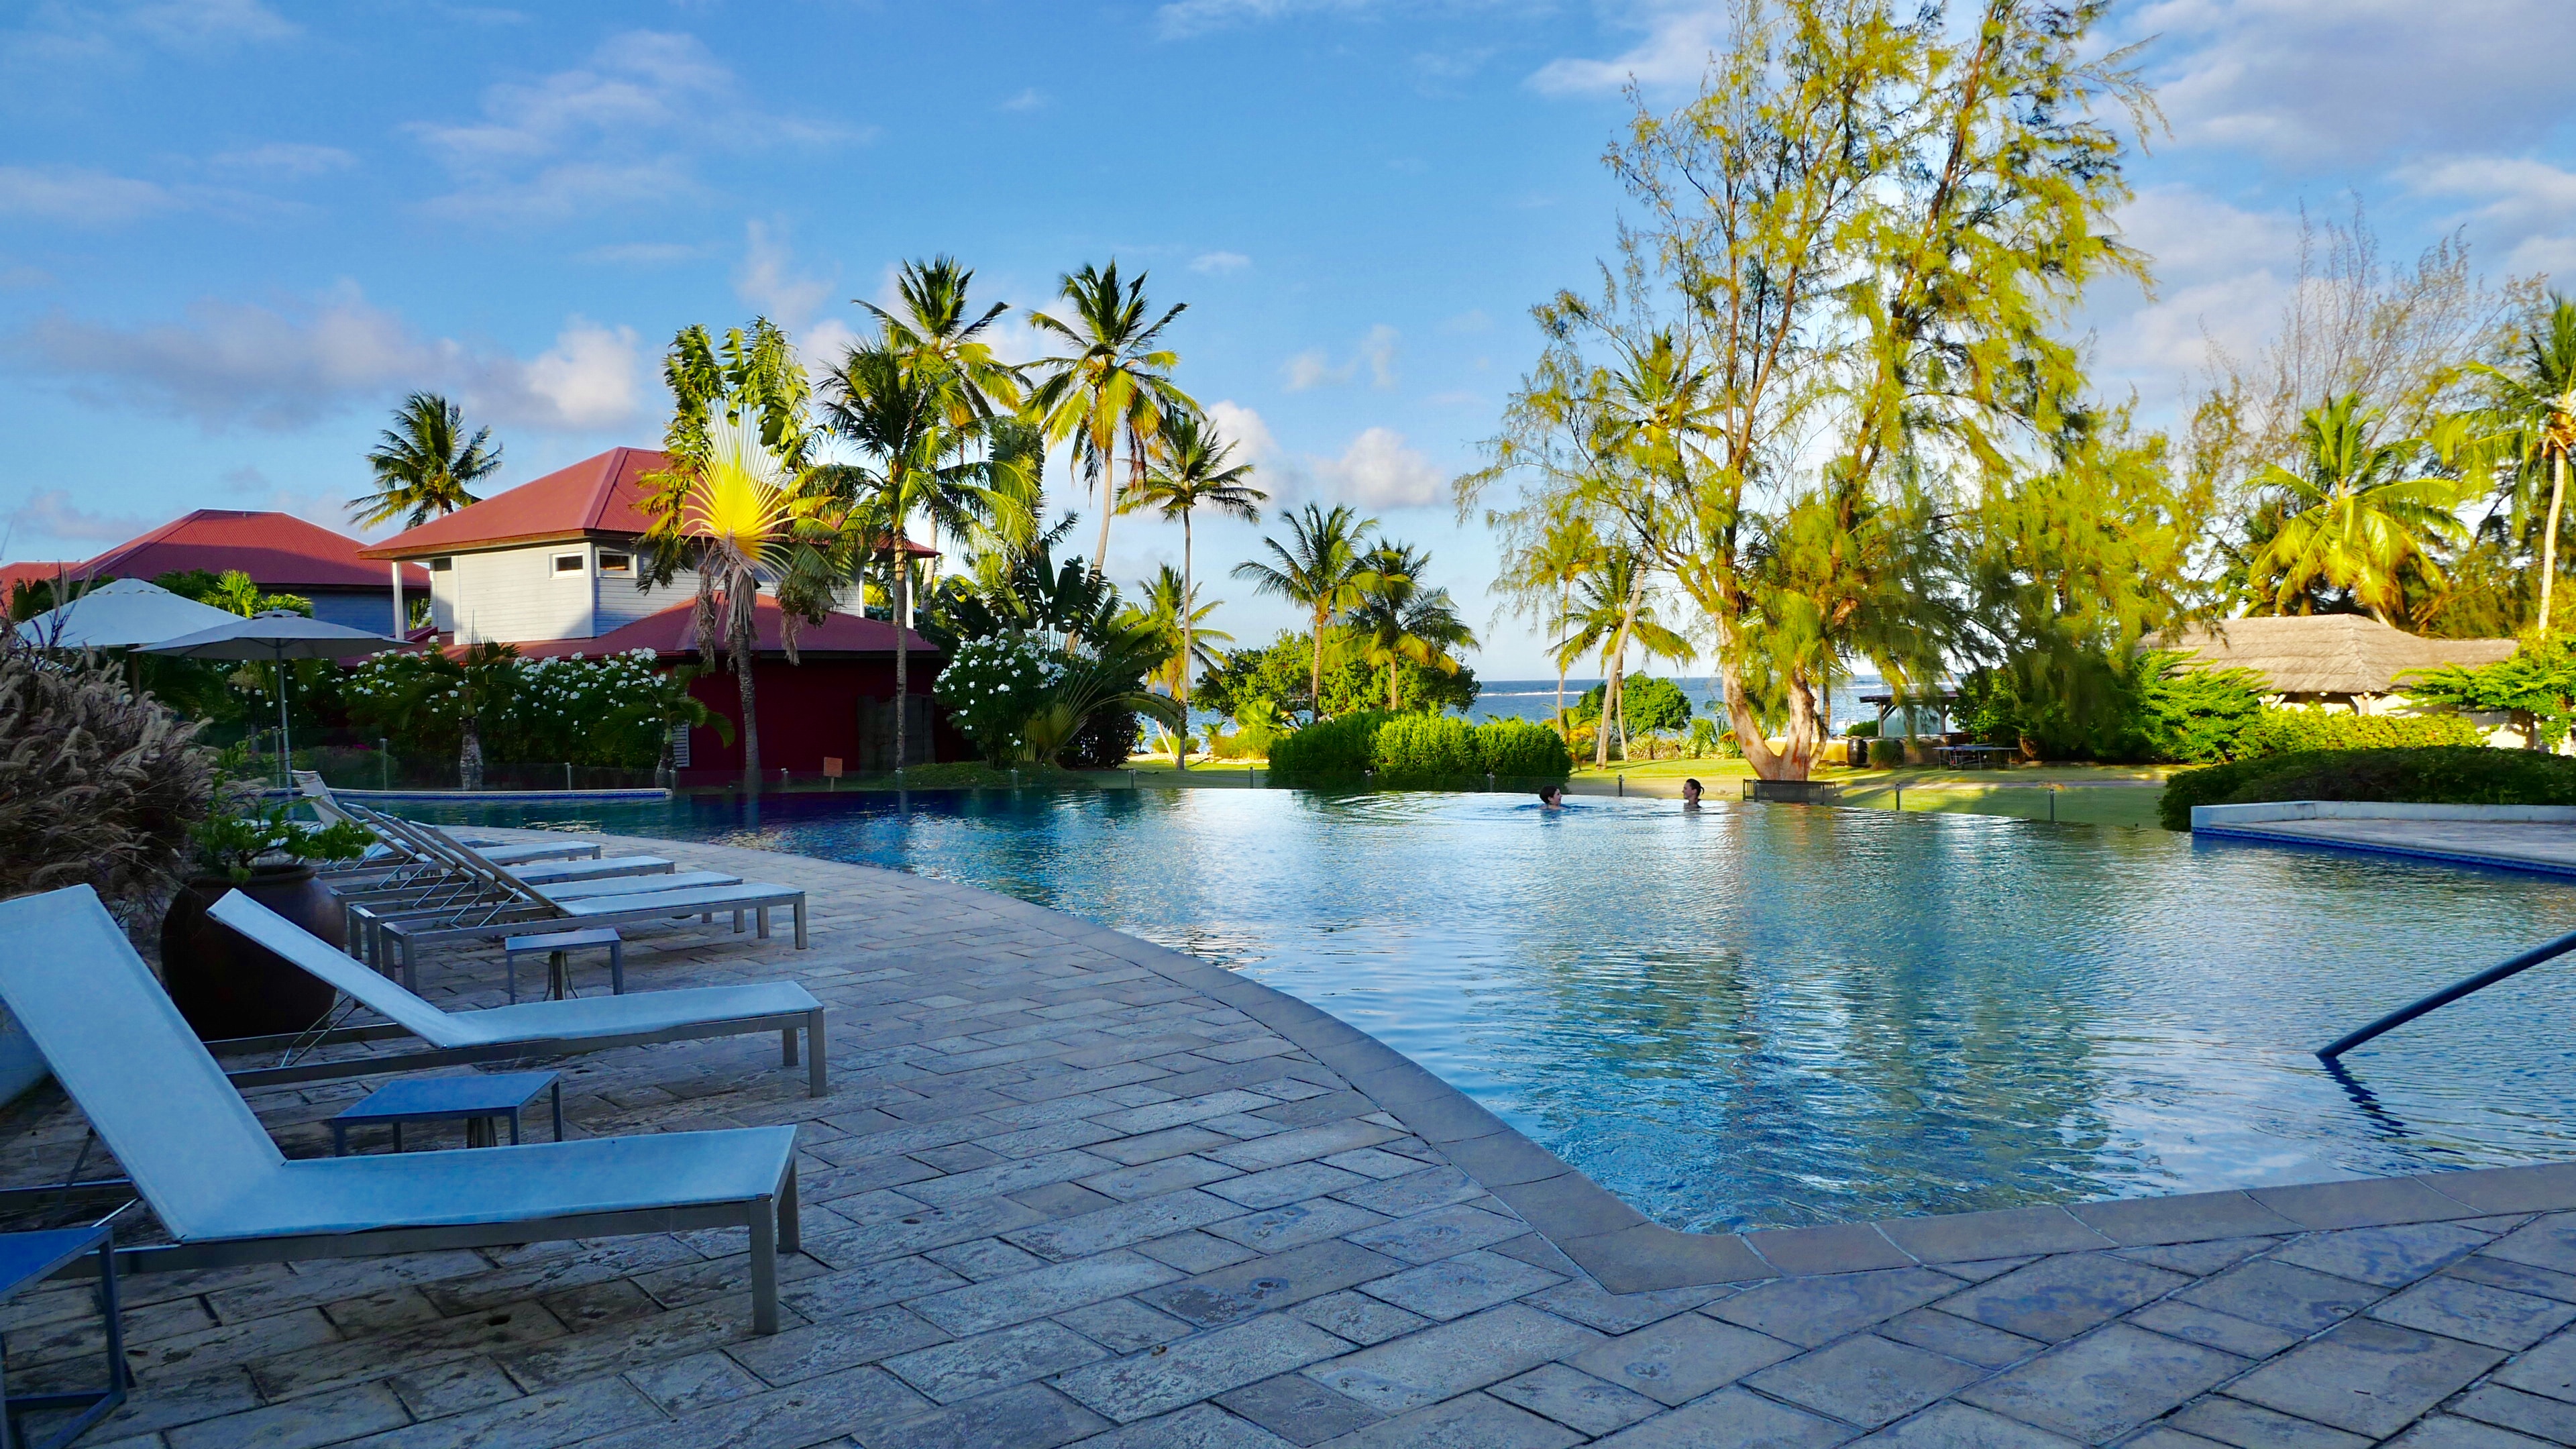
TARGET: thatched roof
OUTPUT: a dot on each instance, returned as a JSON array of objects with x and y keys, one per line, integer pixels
[{"x": 2326, "y": 653}]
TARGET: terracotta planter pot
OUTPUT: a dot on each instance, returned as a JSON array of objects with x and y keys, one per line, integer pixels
[{"x": 225, "y": 985}]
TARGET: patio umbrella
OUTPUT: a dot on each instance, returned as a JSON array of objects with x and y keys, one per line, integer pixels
[
  {"x": 277, "y": 635},
  {"x": 126, "y": 612}
]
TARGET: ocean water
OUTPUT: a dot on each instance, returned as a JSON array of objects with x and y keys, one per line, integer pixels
[{"x": 1750, "y": 1015}]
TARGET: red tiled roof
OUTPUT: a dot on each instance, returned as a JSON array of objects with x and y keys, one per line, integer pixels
[
  {"x": 12, "y": 575},
  {"x": 278, "y": 551},
  {"x": 601, "y": 495},
  {"x": 604, "y": 494},
  {"x": 671, "y": 632}
]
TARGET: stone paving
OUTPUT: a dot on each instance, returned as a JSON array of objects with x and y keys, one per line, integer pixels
[{"x": 1070, "y": 1188}]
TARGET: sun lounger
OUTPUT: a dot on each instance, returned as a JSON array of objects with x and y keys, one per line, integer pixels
[
  {"x": 533, "y": 1029},
  {"x": 367, "y": 917},
  {"x": 389, "y": 852},
  {"x": 227, "y": 1196},
  {"x": 754, "y": 898}
]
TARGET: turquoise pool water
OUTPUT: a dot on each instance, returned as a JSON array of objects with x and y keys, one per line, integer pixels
[{"x": 1763, "y": 1016}]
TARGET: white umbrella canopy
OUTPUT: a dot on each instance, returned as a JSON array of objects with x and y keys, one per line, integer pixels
[
  {"x": 279, "y": 635},
  {"x": 120, "y": 614}
]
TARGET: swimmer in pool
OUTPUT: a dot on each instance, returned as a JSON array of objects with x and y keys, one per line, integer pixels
[
  {"x": 1551, "y": 797},
  {"x": 1690, "y": 794}
]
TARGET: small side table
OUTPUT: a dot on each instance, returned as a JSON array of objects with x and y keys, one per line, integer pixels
[
  {"x": 480, "y": 1098},
  {"x": 27, "y": 1258},
  {"x": 559, "y": 946}
]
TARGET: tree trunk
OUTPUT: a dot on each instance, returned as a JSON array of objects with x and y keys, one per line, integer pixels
[
  {"x": 1108, "y": 504},
  {"x": 1564, "y": 609},
  {"x": 1189, "y": 636},
  {"x": 2549, "y": 540},
  {"x": 1392, "y": 706},
  {"x": 902, "y": 649},
  {"x": 1315, "y": 675},
  {"x": 469, "y": 758},
  {"x": 1610, "y": 686},
  {"x": 746, "y": 657}
]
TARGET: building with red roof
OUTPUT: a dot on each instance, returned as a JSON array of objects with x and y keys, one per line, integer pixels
[
  {"x": 282, "y": 553},
  {"x": 553, "y": 567}
]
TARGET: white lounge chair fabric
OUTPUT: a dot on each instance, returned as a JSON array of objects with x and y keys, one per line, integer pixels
[
  {"x": 217, "y": 1182},
  {"x": 535, "y": 1027}
]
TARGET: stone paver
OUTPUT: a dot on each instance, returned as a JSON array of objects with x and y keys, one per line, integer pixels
[{"x": 1069, "y": 1188}]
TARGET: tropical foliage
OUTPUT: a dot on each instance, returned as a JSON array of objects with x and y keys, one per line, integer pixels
[
  {"x": 426, "y": 464},
  {"x": 616, "y": 710},
  {"x": 1419, "y": 751},
  {"x": 2440, "y": 775}
]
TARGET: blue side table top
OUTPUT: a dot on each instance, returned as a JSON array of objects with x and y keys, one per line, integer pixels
[
  {"x": 476, "y": 1094},
  {"x": 27, "y": 1257}
]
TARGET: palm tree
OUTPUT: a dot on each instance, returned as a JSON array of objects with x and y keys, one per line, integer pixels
[
  {"x": 932, "y": 330},
  {"x": 2352, "y": 518},
  {"x": 895, "y": 405},
  {"x": 1400, "y": 622},
  {"x": 424, "y": 464},
  {"x": 1196, "y": 471},
  {"x": 2533, "y": 413},
  {"x": 1321, "y": 568},
  {"x": 1113, "y": 384},
  {"x": 1168, "y": 606},
  {"x": 746, "y": 515},
  {"x": 1552, "y": 564},
  {"x": 1614, "y": 609}
]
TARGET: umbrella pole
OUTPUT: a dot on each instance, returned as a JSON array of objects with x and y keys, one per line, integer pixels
[{"x": 285, "y": 760}]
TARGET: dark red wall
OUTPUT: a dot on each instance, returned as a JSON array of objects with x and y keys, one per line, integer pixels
[{"x": 807, "y": 711}]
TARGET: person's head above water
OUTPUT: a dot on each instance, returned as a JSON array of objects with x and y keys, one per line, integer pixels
[
  {"x": 1551, "y": 796},
  {"x": 1690, "y": 792}
]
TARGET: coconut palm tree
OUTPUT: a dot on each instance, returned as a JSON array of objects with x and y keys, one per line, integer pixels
[
  {"x": 425, "y": 464},
  {"x": 1113, "y": 383},
  {"x": 1612, "y": 609},
  {"x": 933, "y": 329},
  {"x": 1168, "y": 606},
  {"x": 1547, "y": 568},
  {"x": 1401, "y": 622},
  {"x": 1195, "y": 469},
  {"x": 2352, "y": 518},
  {"x": 1321, "y": 568},
  {"x": 895, "y": 405},
  {"x": 2533, "y": 418}
]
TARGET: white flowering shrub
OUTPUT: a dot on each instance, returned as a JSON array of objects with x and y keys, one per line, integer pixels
[
  {"x": 614, "y": 710},
  {"x": 992, "y": 685}
]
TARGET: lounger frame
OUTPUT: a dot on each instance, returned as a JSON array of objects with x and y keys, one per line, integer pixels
[{"x": 786, "y": 1023}]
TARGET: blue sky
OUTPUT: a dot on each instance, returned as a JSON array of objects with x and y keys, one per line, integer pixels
[{"x": 234, "y": 232}]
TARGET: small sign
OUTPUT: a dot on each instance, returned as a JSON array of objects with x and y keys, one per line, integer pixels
[{"x": 831, "y": 767}]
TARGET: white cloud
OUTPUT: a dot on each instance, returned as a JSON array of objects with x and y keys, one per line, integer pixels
[
  {"x": 61, "y": 33},
  {"x": 1674, "y": 53},
  {"x": 1378, "y": 471},
  {"x": 1245, "y": 429},
  {"x": 51, "y": 515},
  {"x": 1219, "y": 263},
  {"x": 2305, "y": 81},
  {"x": 2526, "y": 205},
  {"x": 1314, "y": 367},
  {"x": 202, "y": 24},
  {"x": 251, "y": 488},
  {"x": 641, "y": 254},
  {"x": 291, "y": 160},
  {"x": 1031, "y": 99},
  {"x": 79, "y": 197},
  {"x": 769, "y": 282},
  {"x": 615, "y": 133},
  {"x": 234, "y": 364},
  {"x": 1184, "y": 18}
]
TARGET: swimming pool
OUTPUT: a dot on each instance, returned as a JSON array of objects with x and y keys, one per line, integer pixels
[{"x": 1773, "y": 1015}]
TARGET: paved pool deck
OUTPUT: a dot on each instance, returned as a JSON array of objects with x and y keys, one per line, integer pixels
[{"x": 1071, "y": 1188}]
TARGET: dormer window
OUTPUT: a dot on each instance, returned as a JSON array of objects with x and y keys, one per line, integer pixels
[
  {"x": 567, "y": 564},
  {"x": 616, "y": 563}
]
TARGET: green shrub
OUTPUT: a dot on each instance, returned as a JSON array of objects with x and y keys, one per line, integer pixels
[
  {"x": 1522, "y": 749},
  {"x": 1419, "y": 750},
  {"x": 1337, "y": 749},
  {"x": 2291, "y": 731},
  {"x": 2423, "y": 775},
  {"x": 1861, "y": 729},
  {"x": 1886, "y": 754}
]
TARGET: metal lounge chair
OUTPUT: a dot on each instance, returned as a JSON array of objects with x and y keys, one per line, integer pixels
[
  {"x": 451, "y": 878},
  {"x": 531, "y": 1029},
  {"x": 387, "y": 852},
  {"x": 227, "y": 1196}
]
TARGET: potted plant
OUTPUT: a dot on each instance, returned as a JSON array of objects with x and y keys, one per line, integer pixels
[{"x": 224, "y": 984}]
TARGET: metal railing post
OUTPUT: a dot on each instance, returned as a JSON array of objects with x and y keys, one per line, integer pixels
[{"x": 2449, "y": 994}]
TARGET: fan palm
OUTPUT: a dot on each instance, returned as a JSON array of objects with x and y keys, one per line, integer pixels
[
  {"x": 2353, "y": 518},
  {"x": 1400, "y": 622},
  {"x": 2534, "y": 416},
  {"x": 1321, "y": 568},
  {"x": 1111, "y": 386},
  {"x": 1196, "y": 470},
  {"x": 425, "y": 464}
]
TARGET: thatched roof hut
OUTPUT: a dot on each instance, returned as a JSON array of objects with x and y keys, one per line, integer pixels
[{"x": 2327, "y": 657}]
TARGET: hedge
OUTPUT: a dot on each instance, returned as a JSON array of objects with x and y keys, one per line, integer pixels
[
  {"x": 1418, "y": 751},
  {"x": 2291, "y": 731},
  {"x": 2434, "y": 775}
]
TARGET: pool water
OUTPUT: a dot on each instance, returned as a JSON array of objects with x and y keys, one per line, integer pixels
[{"x": 1772, "y": 1015}]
